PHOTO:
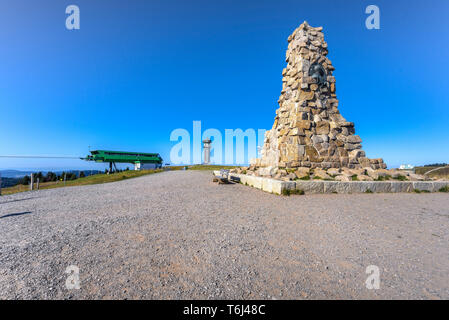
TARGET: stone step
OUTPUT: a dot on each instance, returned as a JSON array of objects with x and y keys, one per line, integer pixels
[{"x": 344, "y": 187}]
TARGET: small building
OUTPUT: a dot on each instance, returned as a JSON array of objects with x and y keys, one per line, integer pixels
[
  {"x": 145, "y": 166},
  {"x": 406, "y": 167}
]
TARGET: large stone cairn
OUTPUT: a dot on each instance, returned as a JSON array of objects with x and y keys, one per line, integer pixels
[{"x": 308, "y": 129}]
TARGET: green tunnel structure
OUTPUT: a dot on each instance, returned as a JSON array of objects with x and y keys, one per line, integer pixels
[{"x": 113, "y": 157}]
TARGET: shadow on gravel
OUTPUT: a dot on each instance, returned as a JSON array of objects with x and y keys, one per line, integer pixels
[
  {"x": 15, "y": 214},
  {"x": 18, "y": 200}
]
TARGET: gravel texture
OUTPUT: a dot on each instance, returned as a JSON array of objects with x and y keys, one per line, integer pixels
[{"x": 178, "y": 235}]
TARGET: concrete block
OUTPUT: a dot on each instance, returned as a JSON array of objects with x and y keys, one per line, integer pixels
[
  {"x": 397, "y": 186},
  {"x": 330, "y": 186},
  {"x": 423, "y": 186},
  {"x": 310, "y": 187},
  {"x": 437, "y": 185},
  {"x": 278, "y": 186},
  {"x": 257, "y": 182},
  {"x": 347, "y": 187},
  {"x": 381, "y": 186},
  {"x": 267, "y": 185},
  {"x": 284, "y": 185}
]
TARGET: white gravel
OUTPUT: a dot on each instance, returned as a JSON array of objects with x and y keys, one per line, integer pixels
[{"x": 178, "y": 235}]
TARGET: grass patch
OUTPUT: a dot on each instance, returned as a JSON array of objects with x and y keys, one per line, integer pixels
[
  {"x": 288, "y": 192},
  {"x": 317, "y": 178},
  {"x": 444, "y": 189},
  {"x": 94, "y": 179},
  {"x": 417, "y": 191},
  {"x": 401, "y": 178},
  {"x": 306, "y": 178},
  {"x": 354, "y": 178},
  {"x": 369, "y": 191},
  {"x": 383, "y": 178}
]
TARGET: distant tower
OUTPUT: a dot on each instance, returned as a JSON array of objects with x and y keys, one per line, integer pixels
[{"x": 206, "y": 146}]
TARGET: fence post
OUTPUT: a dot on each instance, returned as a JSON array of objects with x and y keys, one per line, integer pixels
[
  {"x": 37, "y": 186},
  {"x": 31, "y": 182},
  {"x": 0, "y": 184},
  {"x": 65, "y": 174}
]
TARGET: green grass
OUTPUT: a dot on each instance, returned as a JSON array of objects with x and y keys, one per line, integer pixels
[
  {"x": 305, "y": 178},
  {"x": 444, "y": 189},
  {"x": 368, "y": 191},
  {"x": 288, "y": 192},
  {"x": 401, "y": 178},
  {"x": 383, "y": 178},
  {"x": 94, "y": 179},
  {"x": 421, "y": 191},
  {"x": 354, "y": 178}
]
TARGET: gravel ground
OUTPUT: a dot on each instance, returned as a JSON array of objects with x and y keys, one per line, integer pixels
[{"x": 178, "y": 235}]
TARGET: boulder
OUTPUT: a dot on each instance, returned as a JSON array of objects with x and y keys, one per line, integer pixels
[
  {"x": 318, "y": 172},
  {"x": 302, "y": 172},
  {"x": 343, "y": 177},
  {"x": 362, "y": 177}
]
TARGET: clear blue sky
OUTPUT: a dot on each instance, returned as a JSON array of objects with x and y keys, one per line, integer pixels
[{"x": 136, "y": 70}]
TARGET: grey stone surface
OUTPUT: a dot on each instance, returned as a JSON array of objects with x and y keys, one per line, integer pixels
[
  {"x": 380, "y": 186},
  {"x": 437, "y": 185},
  {"x": 310, "y": 187},
  {"x": 423, "y": 186},
  {"x": 397, "y": 186},
  {"x": 344, "y": 187}
]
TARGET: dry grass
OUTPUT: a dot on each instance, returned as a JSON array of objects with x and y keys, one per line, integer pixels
[
  {"x": 443, "y": 172},
  {"x": 94, "y": 179}
]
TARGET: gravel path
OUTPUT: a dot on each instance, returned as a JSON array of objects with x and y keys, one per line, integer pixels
[{"x": 178, "y": 235}]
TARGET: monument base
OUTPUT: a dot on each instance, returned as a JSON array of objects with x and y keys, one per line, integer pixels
[{"x": 342, "y": 187}]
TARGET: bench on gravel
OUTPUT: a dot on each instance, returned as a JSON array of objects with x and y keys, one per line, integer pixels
[{"x": 223, "y": 177}]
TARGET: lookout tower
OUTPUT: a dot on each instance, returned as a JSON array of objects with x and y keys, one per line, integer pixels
[{"x": 207, "y": 147}]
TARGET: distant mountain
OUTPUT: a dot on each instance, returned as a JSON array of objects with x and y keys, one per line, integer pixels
[
  {"x": 9, "y": 182},
  {"x": 20, "y": 174},
  {"x": 15, "y": 173}
]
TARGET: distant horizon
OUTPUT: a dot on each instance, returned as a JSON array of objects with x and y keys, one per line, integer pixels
[{"x": 131, "y": 167}]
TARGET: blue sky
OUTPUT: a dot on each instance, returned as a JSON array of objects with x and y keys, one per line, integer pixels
[{"x": 137, "y": 70}]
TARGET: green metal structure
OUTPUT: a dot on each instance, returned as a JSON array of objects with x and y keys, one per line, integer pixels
[{"x": 114, "y": 157}]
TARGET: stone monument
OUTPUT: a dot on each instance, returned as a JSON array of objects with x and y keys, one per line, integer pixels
[{"x": 308, "y": 129}]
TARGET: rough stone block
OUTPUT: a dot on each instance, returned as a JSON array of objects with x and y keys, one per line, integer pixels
[
  {"x": 437, "y": 185},
  {"x": 381, "y": 186},
  {"x": 310, "y": 187},
  {"x": 423, "y": 186},
  {"x": 405, "y": 186},
  {"x": 267, "y": 184}
]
